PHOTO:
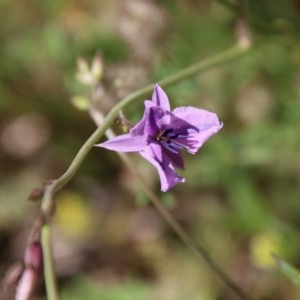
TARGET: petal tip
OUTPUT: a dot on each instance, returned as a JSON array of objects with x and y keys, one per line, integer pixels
[
  {"x": 171, "y": 185},
  {"x": 160, "y": 98}
]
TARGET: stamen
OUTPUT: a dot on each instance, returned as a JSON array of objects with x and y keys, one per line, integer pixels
[
  {"x": 168, "y": 146},
  {"x": 180, "y": 145},
  {"x": 182, "y": 136},
  {"x": 175, "y": 145},
  {"x": 170, "y": 140}
]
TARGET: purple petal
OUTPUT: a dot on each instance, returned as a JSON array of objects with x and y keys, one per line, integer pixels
[
  {"x": 139, "y": 128},
  {"x": 206, "y": 123},
  {"x": 148, "y": 124},
  {"x": 176, "y": 159},
  {"x": 168, "y": 177},
  {"x": 157, "y": 118},
  {"x": 126, "y": 143},
  {"x": 152, "y": 126},
  {"x": 160, "y": 98}
]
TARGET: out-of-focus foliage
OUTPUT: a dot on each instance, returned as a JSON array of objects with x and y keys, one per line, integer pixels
[
  {"x": 242, "y": 190},
  {"x": 125, "y": 291},
  {"x": 289, "y": 271}
]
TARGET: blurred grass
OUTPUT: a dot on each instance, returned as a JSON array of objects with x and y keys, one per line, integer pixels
[
  {"x": 241, "y": 189},
  {"x": 130, "y": 289}
]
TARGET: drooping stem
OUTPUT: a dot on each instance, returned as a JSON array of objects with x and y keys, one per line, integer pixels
[
  {"x": 50, "y": 281},
  {"x": 197, "y": 249}
]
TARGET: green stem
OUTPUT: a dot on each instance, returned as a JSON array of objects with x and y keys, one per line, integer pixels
[
  {"x": 218, "y": 59},
  {"x": 50, "y": 281},
  {"x": 55, "y": 185}
]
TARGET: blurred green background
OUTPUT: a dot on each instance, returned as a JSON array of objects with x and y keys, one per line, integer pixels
[{"x": 241, "y": 196}]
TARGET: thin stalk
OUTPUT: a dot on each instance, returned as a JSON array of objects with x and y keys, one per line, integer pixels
[
  {"x": 211, "y": 62},
  {"x": 51, "y": 188},
  {"x": 50, "y": 281}
]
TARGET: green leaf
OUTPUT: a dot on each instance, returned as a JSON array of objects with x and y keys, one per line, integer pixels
[{"x": 288, "y": 270}]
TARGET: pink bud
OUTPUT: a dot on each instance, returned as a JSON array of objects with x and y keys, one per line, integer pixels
[
  {"x": 31, "y": 273},
  {"x": 27, "y": 284},
  {"x": 33, "y": 256}
]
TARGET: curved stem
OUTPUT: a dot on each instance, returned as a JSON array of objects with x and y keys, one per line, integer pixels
[
  {"x": 51, "y": 188},
  {"x": 181, "y": 75}
]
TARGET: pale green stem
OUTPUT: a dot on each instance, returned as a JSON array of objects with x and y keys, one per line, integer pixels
[
  {"x": 181, "y": 75},
  {"x": 48, "y": 203},
  {"x": 50, "y": 280}
]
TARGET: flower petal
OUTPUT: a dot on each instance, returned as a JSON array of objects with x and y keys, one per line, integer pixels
[
  {"x": 206, "y": 123},
  {"x": 176, "y": 159},
  {"x": 168, "y": 177},
  {"x": 126, "y": 143},
  {"x": 160, "y": 98},
  {"x": 149, "y": 122},
  {"x": 139, "y": 128},
  {"x": 152, "y": 126}
]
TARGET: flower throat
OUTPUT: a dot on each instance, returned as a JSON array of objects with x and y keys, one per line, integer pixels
[{"x": 170, "y": 140}]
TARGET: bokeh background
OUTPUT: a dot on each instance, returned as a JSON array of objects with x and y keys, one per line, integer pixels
[{"x": 241, "y": 196}]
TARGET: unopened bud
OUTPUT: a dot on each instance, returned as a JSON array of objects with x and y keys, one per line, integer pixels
[
  {"x": 36, "y": 194},
  {"x": 82, "y": 65},
  {"x": 84, "y": 74},
  {"x": 33, "y": 256},
  {"x": 97, "y": 67},
  {"x": 27, "y": 284},
  {"x": 31, "y": 272}
]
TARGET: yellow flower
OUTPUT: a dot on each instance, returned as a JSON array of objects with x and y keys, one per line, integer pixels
[
  {"x": 263, "y": 245},
  {"x": 73, "y": 216}
]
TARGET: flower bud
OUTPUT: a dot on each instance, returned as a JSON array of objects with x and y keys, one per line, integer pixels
[
  {"x": 27, "y": 284},
  {"x": 84, "y": 74},
  {"x": 97, "y": 67},
  {"x": 31, "y": 272},
  {"x": 82, "y": 65},
  {"x": 36, "y": 195},
  {"x": 33, "y": 256}
]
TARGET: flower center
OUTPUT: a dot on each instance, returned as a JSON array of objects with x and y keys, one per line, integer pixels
[{"x": 172, "y": 140}]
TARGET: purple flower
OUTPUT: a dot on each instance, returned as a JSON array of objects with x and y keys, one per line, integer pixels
[{"x": 162, "y": 134}]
